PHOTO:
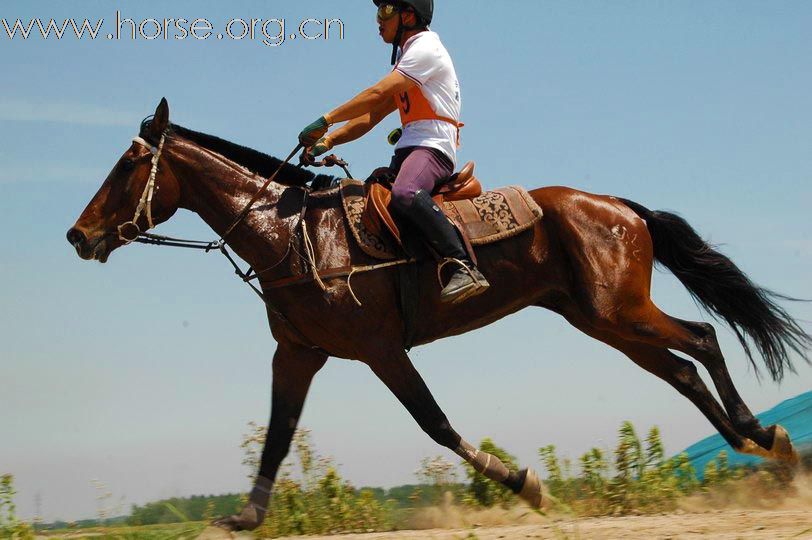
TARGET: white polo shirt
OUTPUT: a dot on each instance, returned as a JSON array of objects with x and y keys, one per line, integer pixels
[{"x": 426, "y": 61}]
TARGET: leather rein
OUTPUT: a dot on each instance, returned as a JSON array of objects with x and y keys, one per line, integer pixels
[{"x": 143, "y": 237}]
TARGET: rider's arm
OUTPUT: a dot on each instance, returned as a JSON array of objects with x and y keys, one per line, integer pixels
[
  {"x": 371, "y": 99},
  {"x": 358, "y": 127}
]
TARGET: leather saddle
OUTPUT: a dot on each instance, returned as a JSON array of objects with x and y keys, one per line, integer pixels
[{"x": 459, "y": 186}]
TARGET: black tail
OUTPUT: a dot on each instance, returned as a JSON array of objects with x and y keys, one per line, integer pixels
[{"x": 726, "y": 292}]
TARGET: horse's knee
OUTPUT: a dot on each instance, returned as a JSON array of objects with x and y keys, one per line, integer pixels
[{"x": 442, "y": 433}]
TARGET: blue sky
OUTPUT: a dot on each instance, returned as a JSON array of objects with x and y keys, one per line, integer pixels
[{"x": 144, "y": 372}]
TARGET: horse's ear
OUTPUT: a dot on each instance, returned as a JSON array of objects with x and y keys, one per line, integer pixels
[{"x": 160, "y": 120}]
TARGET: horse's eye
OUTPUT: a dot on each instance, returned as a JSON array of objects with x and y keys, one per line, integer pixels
[{"x": 127, "y": 165}]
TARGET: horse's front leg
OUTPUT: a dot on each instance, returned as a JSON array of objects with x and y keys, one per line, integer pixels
[
  {"x": 293, "y": 369},
  {"x": 400, "y": 376}
]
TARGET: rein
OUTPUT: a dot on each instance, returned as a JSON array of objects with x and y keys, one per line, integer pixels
[
  {"x": 143, "y": 237},
  {"x": 250, "y": 203}
]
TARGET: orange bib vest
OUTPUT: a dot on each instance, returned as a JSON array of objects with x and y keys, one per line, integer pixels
[{"x": 414, "y": 106}]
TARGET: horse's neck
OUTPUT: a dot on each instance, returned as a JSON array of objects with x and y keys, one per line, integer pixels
[{"x": 218, "y": 190}]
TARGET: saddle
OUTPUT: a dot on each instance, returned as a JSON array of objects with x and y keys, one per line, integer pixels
[
  {"x": 460, "y": 186},
  {"x": 480, "y": 217}
]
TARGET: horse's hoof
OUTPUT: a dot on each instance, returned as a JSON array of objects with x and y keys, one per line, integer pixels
[
  {"x": 751, "y": 448},
  {"x": 531, "y": 489},
  {"x": 214, "y": 532},
  {"x": 782, "y": 448}
]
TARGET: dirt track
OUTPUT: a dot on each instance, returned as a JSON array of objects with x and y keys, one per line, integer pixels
[{"x": 722, "y": 525}]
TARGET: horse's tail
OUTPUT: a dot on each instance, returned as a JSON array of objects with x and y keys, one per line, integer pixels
[{"x": 726, "y": 292}]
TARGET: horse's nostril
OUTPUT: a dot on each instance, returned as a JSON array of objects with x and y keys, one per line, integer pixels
[{"x": 75, "y": 236}]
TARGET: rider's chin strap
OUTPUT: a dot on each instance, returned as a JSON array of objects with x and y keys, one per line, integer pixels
[{"x": 396, "y": 42}]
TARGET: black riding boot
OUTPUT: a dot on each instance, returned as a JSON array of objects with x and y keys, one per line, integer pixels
[{"x": 467, "y": 280}]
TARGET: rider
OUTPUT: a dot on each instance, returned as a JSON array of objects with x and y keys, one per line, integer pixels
[{"x": 423, "y": 86}]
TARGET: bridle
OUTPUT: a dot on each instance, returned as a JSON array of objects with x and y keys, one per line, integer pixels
[{"x": 145, "y": 202}]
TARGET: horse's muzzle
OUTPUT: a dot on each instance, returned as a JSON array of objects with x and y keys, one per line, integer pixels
[
  {"x": 86, "y": 249},
  {"x": 76, "y": 237}
]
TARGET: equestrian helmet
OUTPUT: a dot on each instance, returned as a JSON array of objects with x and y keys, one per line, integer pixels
[{"x": 423, "y": 8}]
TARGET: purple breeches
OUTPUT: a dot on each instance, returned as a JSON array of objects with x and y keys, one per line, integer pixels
[{"x": 417, "y": 168}]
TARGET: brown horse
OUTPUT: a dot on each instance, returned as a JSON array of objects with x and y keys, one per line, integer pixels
[{"x": 589, "y": 259}]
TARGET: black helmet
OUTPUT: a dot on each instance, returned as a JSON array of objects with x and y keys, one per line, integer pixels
[{"x": 423, "y": 8}]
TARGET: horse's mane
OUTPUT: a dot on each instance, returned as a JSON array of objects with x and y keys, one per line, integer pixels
[{"x": 255, "y": 161}]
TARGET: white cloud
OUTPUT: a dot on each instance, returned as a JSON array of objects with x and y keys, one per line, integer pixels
[{"x": 22, "y": 110}]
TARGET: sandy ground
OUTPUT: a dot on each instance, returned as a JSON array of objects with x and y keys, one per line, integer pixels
[
  {"x": 746, "y": 509},
  {"x": 721, "y": 525}
]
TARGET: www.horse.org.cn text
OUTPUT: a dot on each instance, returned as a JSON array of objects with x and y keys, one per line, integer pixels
[{"x": 271, "y": 32}]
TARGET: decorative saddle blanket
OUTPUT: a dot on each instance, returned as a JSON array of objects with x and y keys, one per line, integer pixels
[{"x": 490, "y": 217}]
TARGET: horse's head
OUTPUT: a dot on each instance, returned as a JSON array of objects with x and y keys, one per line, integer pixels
[{"x": 139, "y": 192}]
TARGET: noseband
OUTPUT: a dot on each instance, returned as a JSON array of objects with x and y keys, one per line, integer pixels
[{"x": 146, "y": 197}]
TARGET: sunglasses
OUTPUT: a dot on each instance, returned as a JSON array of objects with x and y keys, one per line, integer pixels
[{"x": 387, "y": 11}]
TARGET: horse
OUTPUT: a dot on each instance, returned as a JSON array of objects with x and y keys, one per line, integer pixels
[{"x": 589, "y": 259}]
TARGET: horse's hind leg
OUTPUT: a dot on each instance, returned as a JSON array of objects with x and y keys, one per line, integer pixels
[
  {"x": 699, "y": 341},
  {"x": 400, "y": 376},
  {"x": 679, "y": 373},
  {"x": 647, "y": 324},
  {"x": 683, "y": 376}
]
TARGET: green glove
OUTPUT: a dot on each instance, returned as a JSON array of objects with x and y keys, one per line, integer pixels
[
  {"x": 322, "y": 145},
  {"x": 313, "y": 132}
]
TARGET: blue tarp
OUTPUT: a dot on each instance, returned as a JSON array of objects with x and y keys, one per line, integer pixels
[{"x": 794, "y": 414}]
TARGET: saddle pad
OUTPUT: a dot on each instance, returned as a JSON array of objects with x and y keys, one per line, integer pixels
[
  {"x": 353, "y": 199},
  {"x": 493, "y": 216}
]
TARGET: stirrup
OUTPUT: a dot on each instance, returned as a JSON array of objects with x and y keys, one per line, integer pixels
[
  {"x": 449, "y": 260},
  {"x": 472, "y": 291}
]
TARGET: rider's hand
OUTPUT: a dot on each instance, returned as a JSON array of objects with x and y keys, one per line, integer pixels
[
  {"x": 322, "y": 145},
  {"x": 306, "y": 158},
  {"x": 313, "y": 132}
]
